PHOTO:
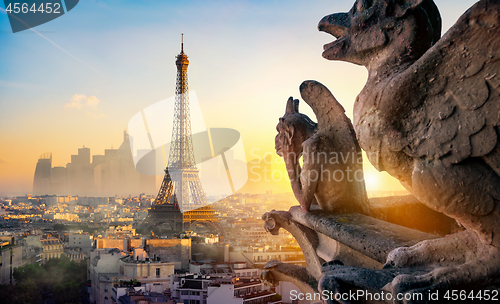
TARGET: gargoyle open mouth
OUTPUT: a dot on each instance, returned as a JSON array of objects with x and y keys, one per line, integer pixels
[
  {"x": 330, "y": 45},
  {"x": 336, "y": 25}
]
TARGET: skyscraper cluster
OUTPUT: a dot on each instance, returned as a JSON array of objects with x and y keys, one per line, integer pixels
[{"x": 110, "y": 174}]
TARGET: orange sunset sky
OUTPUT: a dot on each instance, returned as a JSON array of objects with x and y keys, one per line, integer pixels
[{"x": 77, "y": 80}]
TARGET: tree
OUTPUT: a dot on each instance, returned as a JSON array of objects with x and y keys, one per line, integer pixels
[
  {"x": 68, "y": 292},
  {"x": 33, "y": 272},
  {"x": 25, "y": 292},
  {"x": 61, "y": 277},
  {"x": 60, "y": 227}
]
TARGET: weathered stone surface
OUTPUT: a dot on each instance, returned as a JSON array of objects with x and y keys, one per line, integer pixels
[
  {"x": 346, "y": 241},
  {"x": 457, "y": 262},
  {"x": 276, "y": 271},
  {"x": 369, "y": 236},
  {"x": 307, "y": 238},
  {"x": 428, "y": 111},
  {"x": 429, "y": 115},
  {"x": 332, "y": 171}
]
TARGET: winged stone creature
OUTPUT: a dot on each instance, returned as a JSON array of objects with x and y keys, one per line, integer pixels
[
  {"x": 429, "y": 115},
  {"x": 331, "y": 174}
]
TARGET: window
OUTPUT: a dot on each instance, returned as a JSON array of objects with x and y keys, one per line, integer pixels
[{"x": 157, "y": 272}]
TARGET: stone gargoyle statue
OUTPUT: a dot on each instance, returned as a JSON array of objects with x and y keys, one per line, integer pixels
[
  {"x": 429, "y": 115},
  {"x": 332, "y": 173}
]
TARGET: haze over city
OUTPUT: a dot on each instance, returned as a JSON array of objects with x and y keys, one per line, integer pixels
[{"x": 77, "y": 80}]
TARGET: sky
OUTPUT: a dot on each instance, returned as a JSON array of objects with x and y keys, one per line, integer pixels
[{"x": 77, "y": 80}]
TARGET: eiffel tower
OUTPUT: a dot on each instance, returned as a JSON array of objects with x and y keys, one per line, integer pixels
[{"x": 181, "y": 201}]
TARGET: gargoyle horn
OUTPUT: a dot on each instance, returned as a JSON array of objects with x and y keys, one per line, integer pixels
[{"x": 292, "y": 106}]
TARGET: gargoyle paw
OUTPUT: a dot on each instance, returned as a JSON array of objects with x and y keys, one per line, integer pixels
[{"x": 408, "y": 289}]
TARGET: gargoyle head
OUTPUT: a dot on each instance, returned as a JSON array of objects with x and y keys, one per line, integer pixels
[
  {"x": 293, "y": 129},
  {"x": 373, "y": 29}
]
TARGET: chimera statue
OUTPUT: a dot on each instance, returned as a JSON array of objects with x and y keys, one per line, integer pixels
[{"x": 429, "y": 115}]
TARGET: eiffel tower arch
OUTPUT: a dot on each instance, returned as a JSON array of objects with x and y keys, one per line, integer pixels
[{"x": 181, "y": 201}]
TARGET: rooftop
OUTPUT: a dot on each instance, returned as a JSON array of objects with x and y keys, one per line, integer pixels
[
  {"x": 246, "y": 284},
  {"x": 153, "y": 297},
  {"x": 258, "y": 294},
  {"x": 130, "y": 259},
  {"x": 192, "y": 284}
]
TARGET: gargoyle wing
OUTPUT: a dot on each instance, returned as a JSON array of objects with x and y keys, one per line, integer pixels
[
  {"x": 336, "y": 128},
  {"x": 458, "y": 115},
  {"x": 330, "y": 114}
]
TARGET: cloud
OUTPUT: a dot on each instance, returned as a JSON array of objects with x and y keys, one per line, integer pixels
[
  {"x": 78, "y": 101},
  {"x": 92, "y": 101},
  {"x": 89, "y": 105}
]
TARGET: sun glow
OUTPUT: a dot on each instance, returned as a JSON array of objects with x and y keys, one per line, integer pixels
[{"x": 372, "y": 182}]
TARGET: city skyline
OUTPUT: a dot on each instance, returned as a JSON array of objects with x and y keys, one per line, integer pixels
[
  {"x": 77, "y": 80},
  {"x": 104, "y": 178},
  {"x": 110, "y": 174}
]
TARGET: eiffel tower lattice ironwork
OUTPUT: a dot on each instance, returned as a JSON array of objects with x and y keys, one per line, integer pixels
[{"x": 181, "y": 199}]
